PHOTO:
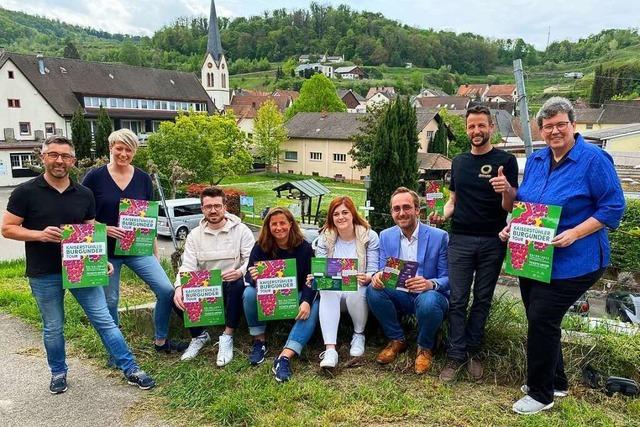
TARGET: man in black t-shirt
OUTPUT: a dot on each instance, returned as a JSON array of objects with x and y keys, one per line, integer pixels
[
  {"x": 35, "y": 212},
  {"x": 483, "y": 183}
]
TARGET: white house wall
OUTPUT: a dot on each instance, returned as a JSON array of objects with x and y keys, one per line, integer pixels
[{"x": 34, "y": 109}]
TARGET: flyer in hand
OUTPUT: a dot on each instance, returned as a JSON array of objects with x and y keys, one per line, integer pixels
[
  {"x": 397, "y": 271},
  {"x": 277, "y": 288},
  {"x": 139, "y": 219},
  {"x": 84, "y": 255},
  {"x": 435, "y": 197},
  {"x": 335, "y": 274},
  {"x": 202, "y": 297},
  {"x": 529, "y": 251}
]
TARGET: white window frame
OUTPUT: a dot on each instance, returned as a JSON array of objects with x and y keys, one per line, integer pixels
[
  {"x": 291, "y": 159},
  {"x": 22, "y": 159},
  {"x": 338, "y": 156},
  {"x": 28, "y": 128},
  {"x": 315, "y": 156}
]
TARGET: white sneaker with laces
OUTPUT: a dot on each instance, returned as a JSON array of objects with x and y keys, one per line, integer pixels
[
  {"x": 225, "y": 349},
  {"x": 529, "y": 406},
  {"x": 329, "y": 358},
  {"x": 357, "y": 345},
  {"x": 556, "y": 393},
  {"x": 195, "y": 346}
]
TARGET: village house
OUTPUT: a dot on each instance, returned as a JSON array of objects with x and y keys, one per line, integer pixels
[
  {"x": 476, "y": 91},
  {"x": 245, "y": 108},
  {"x": 380, "y": 95},
  {"x": 446, "y": 102},
  {"x": 304, "y": 70},
  {"x": 39, "y": 95},
  {"x": 319, "y": 144},
  {"x": 354, "y": 102},
  {"x": 501, "y": 93},
  {"x": 350, "y": 73}
]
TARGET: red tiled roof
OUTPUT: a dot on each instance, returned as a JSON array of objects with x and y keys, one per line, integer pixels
[
  {"x": 472, "y": 90},
  {"x": 501, "y": 90}
]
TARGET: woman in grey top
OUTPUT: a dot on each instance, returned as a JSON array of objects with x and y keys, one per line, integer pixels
[{"x": 346, "y": 235}]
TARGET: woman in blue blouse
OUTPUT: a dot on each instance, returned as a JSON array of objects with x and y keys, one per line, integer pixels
[
  {"x": 579, "y": 177},
  {"x": 110, "y": 183}
]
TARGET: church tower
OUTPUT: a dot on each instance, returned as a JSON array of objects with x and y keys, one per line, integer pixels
[{"x": 215, "y": 73}]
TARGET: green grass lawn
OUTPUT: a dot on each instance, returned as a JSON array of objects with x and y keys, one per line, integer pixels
[
  {"x": 261, "y": 185},
  {"x": 197, "y": 392}
]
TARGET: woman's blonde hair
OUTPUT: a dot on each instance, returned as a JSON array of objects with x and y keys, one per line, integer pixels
[{"x": 124, "y": 136}]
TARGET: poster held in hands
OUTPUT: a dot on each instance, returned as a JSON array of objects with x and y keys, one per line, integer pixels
[
  {"x": 529, "y": 250},
  {"x": 202, "y": 297},
  {"x": 139, "y": 220},
  {"x": 396, "y": 272},
  {"x": 84, "y": 255},
  {"x": 335, "y": 274},
  {"x": 277, "y": 288}
]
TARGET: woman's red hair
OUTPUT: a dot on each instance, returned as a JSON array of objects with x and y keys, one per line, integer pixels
[{"x": 344, "y": 200}]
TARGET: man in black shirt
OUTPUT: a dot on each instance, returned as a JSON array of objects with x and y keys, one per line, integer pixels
[
  {"x": 482, "y": 188},
  {"x": 35, "y": 212}
]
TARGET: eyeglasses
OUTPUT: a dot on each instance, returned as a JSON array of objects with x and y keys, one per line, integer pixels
[
  {"x": 406, "y": 208},
  {"x": 561, "y": 126},
  {"x": 54, "y": 156},
  {"x": 210, "y": 207}
]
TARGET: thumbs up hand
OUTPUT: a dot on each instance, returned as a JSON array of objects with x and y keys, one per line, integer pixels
[{"x": 500, "y": 183}]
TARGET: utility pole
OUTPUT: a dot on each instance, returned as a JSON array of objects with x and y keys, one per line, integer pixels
[
  {"x": 548, "y": 37},
  {"x": 522, "y": 105}
]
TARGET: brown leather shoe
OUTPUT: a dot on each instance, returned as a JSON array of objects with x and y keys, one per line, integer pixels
[
  {"x": 423, "y": 360},
  {"x": 475, "y": 369},
  {"x": 448, "y": 373},
  {"x": 391, "y": 351}
]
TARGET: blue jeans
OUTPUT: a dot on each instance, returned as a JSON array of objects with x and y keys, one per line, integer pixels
[
  {"x": 429, "y": 307},
  {"x": 148, "y": 268},
  {"x": 300, "y": 333},
  {"x": 49, "y": 295}
]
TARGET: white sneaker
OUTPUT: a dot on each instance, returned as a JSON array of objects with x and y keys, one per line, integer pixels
[
  {"x": 225, "y": 349},
  {"x": 528, "y": 406},
  {"x": 357, "y": 345},
  {"x": 329, "y": 358},
  {"x": 195, "y": 346},
  {"x": 556, "y": 393}
]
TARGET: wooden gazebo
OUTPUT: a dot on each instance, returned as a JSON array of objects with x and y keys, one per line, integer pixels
[{"x": 304, "y": 191}]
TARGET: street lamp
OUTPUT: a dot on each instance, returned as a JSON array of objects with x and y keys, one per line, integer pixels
[{"x": 367, "y": 185}]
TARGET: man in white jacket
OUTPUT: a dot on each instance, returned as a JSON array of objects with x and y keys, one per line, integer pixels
[{"x": 221, "y": 242}]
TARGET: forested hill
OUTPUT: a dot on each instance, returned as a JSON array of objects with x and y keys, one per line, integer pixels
[{"x": 362, "y": 37}]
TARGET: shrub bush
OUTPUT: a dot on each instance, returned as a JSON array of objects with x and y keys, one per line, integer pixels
[{"x": 625, "y": 241}]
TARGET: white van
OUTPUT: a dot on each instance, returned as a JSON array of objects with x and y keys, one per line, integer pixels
[{"x": 185, "y": 215}]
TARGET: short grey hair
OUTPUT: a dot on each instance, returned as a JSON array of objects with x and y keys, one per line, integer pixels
[
  {"x": 125, "y": 136},
  {"x": 57, "y": 139},
  {"x": 555, "y": 105}
]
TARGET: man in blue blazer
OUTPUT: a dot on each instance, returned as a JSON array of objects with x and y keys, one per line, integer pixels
[{"x": 426, "y": 295}]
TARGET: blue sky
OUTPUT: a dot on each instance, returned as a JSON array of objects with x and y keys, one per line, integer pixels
[{"x": 529, "y": 19}]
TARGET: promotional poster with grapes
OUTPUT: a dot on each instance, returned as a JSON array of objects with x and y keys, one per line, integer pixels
[
  {"x": 529, "y": 251},
  {"x": 139, "y": 219},
  {"x": 84, "y": 255},
  {"x": 202, "y": 298},
  {"x": 396, "y": 272},
  {"x": 435, "y": 197},
  {"x": 277, "y": 289},
  {"x": 335, "y": 274}
]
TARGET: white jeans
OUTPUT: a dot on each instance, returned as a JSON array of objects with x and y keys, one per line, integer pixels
[{"x": 333, "y": 302}]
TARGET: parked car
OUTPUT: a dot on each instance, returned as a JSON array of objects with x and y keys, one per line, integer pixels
[
  {"x": 185, "y": 215},
  {"x": 624, "y": 306}
]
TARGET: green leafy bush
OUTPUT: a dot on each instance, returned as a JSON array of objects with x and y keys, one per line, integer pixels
[{"x": 625, "y": 241}]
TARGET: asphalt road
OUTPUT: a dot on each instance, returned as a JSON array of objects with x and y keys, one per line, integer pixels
[{"x": 96, "y": 396}]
